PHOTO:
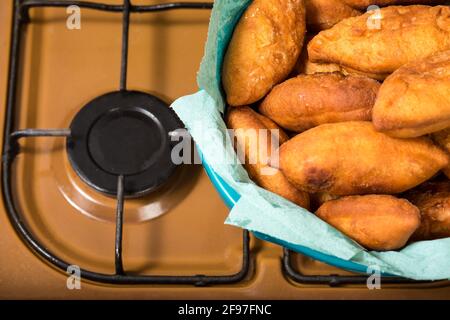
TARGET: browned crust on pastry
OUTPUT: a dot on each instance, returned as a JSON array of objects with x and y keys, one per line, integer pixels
[
  {"x": 442, "y": 139},
  {"x": 323, "y": 14},
  {"x": 415, "y": 99},
  {"x": 245, "y": 122},
  {"x": 433, "y": 200},
  {"x": 363, "y": 4},
  {"x": 377, "y": 222},
  {"x": 310, "y": 100},
  {"x": 406, "y": 34},
  {"x": 263, "y": 50},
  {"x": 304, "y": 65},
  {"x": 350, "y": 158}
]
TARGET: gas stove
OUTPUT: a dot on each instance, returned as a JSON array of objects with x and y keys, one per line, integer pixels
[{"x": 88, "y": 189}]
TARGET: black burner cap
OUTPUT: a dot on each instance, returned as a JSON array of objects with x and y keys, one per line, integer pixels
[{"x": 123, "y": 133}]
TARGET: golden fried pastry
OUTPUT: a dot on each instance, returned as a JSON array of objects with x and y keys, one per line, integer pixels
[
  {"x": 377, "y": 222},
  {"x": 306, "y": 66},
  {"x": 310, "y": 100},
  {"x": 350, "y": 158},
  {"x": 442, "y": 139},
  {"x": 362, "y": 4},
  {"x": 323, "y": 14},
  {"x": 433, "y": 201},
  {"x": 247, "y": 124},
  {"x": 405, "y": 34},
  {"x": 263, "y": 49},
  {"x": 415, "y": 99}
]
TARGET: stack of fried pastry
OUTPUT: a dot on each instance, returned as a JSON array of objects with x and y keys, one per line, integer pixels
[{"x": 364, "y": 97}]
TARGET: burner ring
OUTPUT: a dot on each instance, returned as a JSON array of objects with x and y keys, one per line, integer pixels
[
  {"x": 123, "y": 133},
  {"x": 106, "y": 140}
]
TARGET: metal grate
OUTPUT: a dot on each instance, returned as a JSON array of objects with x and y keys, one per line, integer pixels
[
  {"x": 11, "y": 149},
  {"x": 334, "y": 280}
]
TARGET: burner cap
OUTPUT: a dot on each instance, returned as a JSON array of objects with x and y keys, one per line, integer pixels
[{"x": 123, "y": 133}]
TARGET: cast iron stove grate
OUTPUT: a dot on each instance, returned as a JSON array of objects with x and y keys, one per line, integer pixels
[
  {"x": 135, "y": 122},
  {"x": 116, "y": 177}
]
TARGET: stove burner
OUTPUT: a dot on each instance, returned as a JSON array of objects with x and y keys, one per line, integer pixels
[{"x": 123, "y": 133}]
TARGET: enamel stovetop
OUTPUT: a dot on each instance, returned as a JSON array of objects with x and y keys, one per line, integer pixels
[{"x": 63, "y": 69}]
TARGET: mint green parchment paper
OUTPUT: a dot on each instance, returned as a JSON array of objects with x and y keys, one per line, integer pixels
[{"x": 264, "y": 212}]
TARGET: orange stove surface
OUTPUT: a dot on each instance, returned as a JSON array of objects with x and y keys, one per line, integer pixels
[{"x": 178, "y": 230}]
